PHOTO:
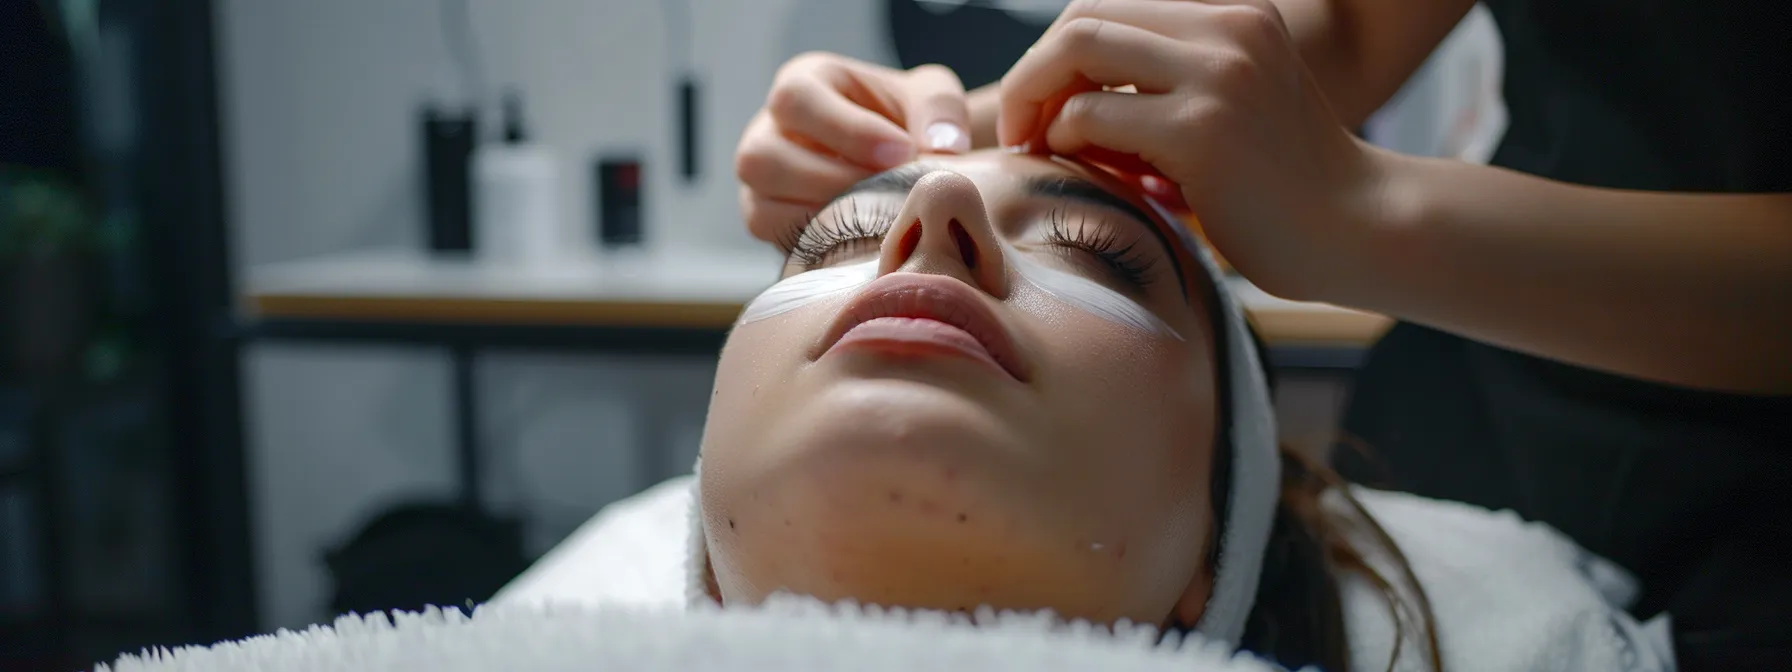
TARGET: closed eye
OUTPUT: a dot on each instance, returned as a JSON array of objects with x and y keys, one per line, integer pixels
[
  {"x": 846, "y": 231},
  {"x": 1119, "y": 256}
]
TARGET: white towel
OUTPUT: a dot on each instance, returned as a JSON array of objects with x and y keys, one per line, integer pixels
[
  {"x": 792, "y": 636},
  {"x": 1507, "y": 595}
]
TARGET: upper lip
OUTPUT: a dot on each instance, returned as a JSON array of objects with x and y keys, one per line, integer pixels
[{"x": 931, "y": 297}]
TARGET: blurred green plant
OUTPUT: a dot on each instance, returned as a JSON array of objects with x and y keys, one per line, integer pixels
[{"x": 43, "y": 214}]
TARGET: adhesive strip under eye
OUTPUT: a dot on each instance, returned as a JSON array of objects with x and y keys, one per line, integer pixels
[
  {"x": 1089, "y": 296},
  {"x": 805, "y": 288}
]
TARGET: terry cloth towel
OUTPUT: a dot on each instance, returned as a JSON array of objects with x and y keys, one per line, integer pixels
[
  {"x": 1506, "y": 594},
  {"x": 790, "y": 635}
]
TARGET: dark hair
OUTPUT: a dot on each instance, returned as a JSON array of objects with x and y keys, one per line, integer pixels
[{"x": 1298, "y": 618}]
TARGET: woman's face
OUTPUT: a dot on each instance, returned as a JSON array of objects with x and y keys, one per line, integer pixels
[{"x": 964, "y": 429}]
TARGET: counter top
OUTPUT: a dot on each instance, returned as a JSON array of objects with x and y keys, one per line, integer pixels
[{"x": 694, "y": 290}]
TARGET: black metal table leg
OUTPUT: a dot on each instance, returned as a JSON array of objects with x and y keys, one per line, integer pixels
[{"x": 466, "y": 423}]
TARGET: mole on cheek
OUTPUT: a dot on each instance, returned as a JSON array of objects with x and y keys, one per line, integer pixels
[
  {"x": 895, "y": 497},
  {"x": 963, "y": 517}
]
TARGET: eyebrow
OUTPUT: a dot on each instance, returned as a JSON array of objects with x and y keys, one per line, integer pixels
[{"x": 902, "y": 179}]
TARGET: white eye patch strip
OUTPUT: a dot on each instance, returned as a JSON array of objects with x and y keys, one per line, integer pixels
[
  {"x": 1089, "y": 296},
  {"x": 805, "y": 288},
  {"x": 1081, "y": 293}
]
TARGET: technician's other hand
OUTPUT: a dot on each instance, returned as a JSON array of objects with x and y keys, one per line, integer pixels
[
  {"x": 1225, "y": 111},
  {"x": 831, "y": 121}
]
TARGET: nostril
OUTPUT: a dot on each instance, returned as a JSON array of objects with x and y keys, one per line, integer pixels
[
  {"x": 967, "y": 248},
  {"x": 911, "y": 239}
]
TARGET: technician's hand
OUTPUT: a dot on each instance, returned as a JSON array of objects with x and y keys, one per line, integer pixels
[
  {"x": 1224, "y": 110},
  {"x": 831, "y": 121}
]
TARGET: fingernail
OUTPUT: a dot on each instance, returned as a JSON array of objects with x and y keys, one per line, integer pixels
[
  {"x": 945, "y": 136},
  {"x": 892, "y": 154},
  {"x": 1022, "y": 148}
]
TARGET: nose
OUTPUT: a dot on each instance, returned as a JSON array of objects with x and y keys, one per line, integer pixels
[{"x": 944, "y": 229}]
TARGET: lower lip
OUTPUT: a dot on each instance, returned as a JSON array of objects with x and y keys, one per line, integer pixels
[{"x": 915, "y": 337}]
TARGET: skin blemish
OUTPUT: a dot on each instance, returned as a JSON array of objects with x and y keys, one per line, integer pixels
[
  {"x": 730, "y": 523},
  {"x": 962, "y": 517},
  {"x": 929, "y": 506},
  {"x": 787, "y": 522},
  {"x": 951, "y": 474},
  {"x": 895, "y": 497},
  {"x": 1120, "y": 551}
]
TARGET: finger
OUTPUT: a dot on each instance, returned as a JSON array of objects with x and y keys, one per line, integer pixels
[
  {"x": 1182, "y": 20},
  {"x": 936, "y": 110},
  {"x": 1136, "y": 173},
  {"x": 1163, "y": 191},
  {"x": 772, "y": 220},
  {"x": 1102, "y": 52},
  {"x": 1119, "y": 163},
  {"x": 810, "y": 107},
  {"x": 1155, "y": 15},
  {"x": 777, "y": 167},
  {"x": 1119, "y": 123}
]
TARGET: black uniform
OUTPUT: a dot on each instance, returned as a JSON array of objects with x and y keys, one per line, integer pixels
[{"x": 1690, "y": 490}]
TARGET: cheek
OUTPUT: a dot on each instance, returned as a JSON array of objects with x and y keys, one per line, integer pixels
[
  {"x": 754, "y": 375},
  {"x": 1136, "y": 421}
]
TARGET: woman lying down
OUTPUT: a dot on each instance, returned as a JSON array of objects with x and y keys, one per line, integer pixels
[{"x": 1006, "y": 380}]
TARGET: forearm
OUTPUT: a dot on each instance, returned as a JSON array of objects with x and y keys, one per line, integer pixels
[{"x": 1694, "y": 290}]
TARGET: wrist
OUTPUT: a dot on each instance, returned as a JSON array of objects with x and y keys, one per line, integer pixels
[{"x": 1394, "y": 229}]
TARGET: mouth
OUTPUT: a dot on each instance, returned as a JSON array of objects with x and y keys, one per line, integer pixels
[{"x": 924, "y": 315}]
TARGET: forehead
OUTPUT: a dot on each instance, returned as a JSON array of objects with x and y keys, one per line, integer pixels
[{"x": 999, "y": 172}]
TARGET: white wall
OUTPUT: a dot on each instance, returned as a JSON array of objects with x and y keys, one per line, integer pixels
[{"x": 320, "y": 103}]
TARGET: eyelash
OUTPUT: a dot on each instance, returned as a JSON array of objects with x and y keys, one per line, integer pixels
[
  {"x": 811, "y": 244},
  {"x": 1126, "y": 261}
]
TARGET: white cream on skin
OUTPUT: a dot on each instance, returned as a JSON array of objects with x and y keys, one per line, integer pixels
[{"x": 1071, "y": 290}]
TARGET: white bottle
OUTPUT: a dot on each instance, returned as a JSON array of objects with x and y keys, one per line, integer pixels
[{"x": 516, "y": 218}]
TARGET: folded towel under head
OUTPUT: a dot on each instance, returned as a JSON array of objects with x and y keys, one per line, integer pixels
[{"x": 787, "y": 635}]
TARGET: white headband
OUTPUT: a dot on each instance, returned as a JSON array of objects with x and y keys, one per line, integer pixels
[{"x": 1255, "y": 480}]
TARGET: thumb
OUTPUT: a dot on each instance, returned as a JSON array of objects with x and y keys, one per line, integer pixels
[{"x": 936, "y": 111}]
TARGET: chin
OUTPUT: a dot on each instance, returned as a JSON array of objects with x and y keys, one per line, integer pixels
[{"x": 886, "y": 491}]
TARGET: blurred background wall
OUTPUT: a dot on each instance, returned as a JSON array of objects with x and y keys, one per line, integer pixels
[{"x": 320, "y": 101}]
